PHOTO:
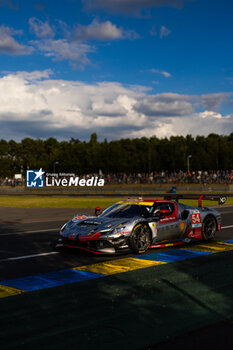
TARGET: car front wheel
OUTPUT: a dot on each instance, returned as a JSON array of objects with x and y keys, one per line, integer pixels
[{"x": 140, "y": 238}]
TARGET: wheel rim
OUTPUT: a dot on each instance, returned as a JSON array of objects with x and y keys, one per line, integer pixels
[
  {"x": 209, "y": 227},
  {"x": 141, "y": 237}
]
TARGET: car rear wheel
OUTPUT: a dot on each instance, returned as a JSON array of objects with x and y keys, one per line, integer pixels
[
  {"x": 140, "y": 238},
  {"x": 209, "y": 228}
]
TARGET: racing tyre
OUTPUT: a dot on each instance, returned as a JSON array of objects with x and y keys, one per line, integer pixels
[
  {"x": 140, "y": 238},
  {"x": 209, "y": 228}
]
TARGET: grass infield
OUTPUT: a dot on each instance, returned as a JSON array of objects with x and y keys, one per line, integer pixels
[{"x": 79, "y": 202}]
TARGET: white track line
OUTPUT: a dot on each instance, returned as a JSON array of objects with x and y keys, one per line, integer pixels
[
  {"x": 25, "y": 232},
  {"x": 28, "y": 256},
  {"x": 49, "y": 253}
]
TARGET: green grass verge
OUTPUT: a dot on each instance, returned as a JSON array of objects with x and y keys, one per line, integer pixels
[
  {"x": 72, "y": 202},
  {"x": 56, "y": 202}
]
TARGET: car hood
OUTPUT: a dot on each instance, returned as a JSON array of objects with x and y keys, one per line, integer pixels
[{"x": 91, "y": 225}]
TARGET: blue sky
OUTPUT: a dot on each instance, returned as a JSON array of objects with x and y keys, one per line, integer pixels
[{"x": 121, "y": 68}]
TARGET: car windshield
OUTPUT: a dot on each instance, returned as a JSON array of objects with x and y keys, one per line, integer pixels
[{"x": 126, "y": 211}]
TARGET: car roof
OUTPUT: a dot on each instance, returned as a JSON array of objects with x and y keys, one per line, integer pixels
[{"x": 141, "y": 201}]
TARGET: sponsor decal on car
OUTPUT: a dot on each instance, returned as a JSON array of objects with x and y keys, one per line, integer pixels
[
  {"x": 182, "y": 225},
  {"x": 169, "y": 218},
  {"x": 80, "y": 217},
  {"x": 196, "y": 219},
  {"x": 122, "y": 233}
]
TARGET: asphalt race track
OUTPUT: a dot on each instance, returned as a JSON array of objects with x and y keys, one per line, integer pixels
[
  {"x": 203, "y": 285},
  {"x": 25, "y": 232}
]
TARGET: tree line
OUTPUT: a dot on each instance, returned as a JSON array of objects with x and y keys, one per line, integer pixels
[{"x": 142, "y": 155}]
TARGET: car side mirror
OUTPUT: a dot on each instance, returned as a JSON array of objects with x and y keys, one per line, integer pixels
[{"x": 97, "y": 211}]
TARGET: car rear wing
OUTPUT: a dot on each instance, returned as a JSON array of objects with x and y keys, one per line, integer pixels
[{"x": 177, "y": 197}]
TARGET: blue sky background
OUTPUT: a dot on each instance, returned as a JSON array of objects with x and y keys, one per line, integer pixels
[{"x": 121, "y": 68}]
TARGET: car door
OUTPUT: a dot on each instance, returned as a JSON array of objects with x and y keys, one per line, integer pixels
[{"x": 168, "y": 226}]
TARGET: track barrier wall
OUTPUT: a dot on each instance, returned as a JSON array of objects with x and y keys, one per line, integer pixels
[{"x": 144, "y": 189}]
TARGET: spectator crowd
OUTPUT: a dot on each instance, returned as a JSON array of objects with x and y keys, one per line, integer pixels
[{"x": 165, "y": 177}]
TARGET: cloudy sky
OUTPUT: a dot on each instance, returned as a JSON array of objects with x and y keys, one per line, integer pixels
[{"x": 121, "y": 68}]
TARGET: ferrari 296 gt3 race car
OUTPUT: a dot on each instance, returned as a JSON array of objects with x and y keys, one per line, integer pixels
[{"x": 139, "y": 224}]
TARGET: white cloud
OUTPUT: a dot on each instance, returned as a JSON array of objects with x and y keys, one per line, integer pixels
[
  {"x": 163, "y": 72},
  {"x": 210, "y": 114},
  {"x": 114, "y": 109},
  {"x": 35, "y": 105},
  {"x": 164, "y": 31},
  {"x": 41, "y": 29},
  {"x": 164, "y": 105},
  {"x": 63, "y": 49},
  {"x": 213, "y": 101},
  {"x": 204, "y": 123},
  {"x": 73, "y": 42},
  {"x": 10, "y": 46},
  {"x": 35, "y": 75},
  {"x": 102, "y": 31}
]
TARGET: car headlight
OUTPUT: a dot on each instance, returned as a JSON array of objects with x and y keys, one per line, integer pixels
[
  {"x": 63, "y": 228},
  {"x": 118, "y": 230}
]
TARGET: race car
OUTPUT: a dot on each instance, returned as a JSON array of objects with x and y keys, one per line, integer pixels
[{"x": 139, "y": 224}]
